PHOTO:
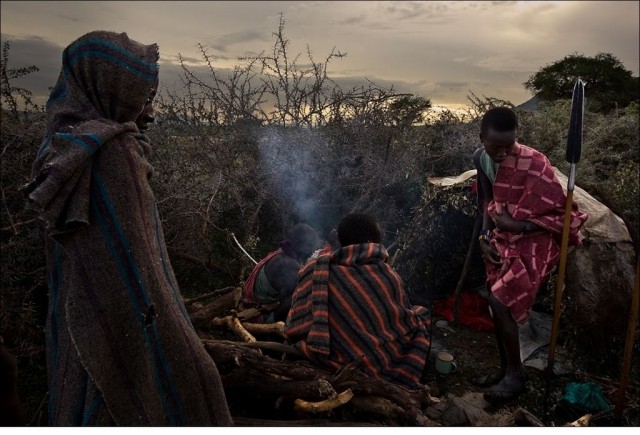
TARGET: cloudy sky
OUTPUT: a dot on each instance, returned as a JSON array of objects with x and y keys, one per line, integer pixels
[{"x": 438, "y": 50}]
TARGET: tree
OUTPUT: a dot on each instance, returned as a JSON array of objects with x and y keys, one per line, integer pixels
[
  {"x": 608, "y": 83},
  {"x": 408, "y": 110}
]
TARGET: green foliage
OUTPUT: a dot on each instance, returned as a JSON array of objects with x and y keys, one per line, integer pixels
[
  {"x": 408, "y": 110},
  {"x": 609, "y": 166},
  {"x": 608, "y": 83}
]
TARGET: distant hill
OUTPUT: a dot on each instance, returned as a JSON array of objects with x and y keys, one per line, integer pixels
[{"x": 531, "y": 104}]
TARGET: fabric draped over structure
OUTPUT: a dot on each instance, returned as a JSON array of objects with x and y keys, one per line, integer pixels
[
  {"x": 351, "y": 304},
  {"x": 120, "y": 346}
]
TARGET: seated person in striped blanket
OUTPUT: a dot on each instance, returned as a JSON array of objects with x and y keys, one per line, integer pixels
[
  {"x": 272, "y": 281},
  {"x": 523, "y": 207},
  {"x": 350, "y": 304}
]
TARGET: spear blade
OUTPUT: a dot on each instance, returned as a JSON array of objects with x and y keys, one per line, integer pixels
[{"x": 576, "y": 119}]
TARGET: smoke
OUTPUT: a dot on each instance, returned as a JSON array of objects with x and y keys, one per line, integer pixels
[{"x": 298, "y": 173}]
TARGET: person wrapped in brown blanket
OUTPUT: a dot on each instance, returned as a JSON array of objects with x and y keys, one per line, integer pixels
[{"x": 120, "y": 346}]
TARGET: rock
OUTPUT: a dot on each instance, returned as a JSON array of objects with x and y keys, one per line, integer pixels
[
  {"x": 460, "y": 412},
  {"x": 599, "y": 275},
  {"x": 599, "y": 283}
]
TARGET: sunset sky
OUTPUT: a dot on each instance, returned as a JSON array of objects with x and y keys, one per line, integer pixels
[{"x": 438, "y": 50}]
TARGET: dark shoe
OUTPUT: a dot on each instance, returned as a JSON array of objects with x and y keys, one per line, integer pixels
[
  {"x": 502, "y": 393},
  {"x": 488, "y": 380}
]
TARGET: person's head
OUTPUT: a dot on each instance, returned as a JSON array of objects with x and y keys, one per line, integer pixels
[
  {"x": 498, "y": 130},
  {"x": 104, "y": 75},
  {"x": 357, "y": 228},
  {"x": 304, "y": 240},
  {"x": 147, "y": 116}
]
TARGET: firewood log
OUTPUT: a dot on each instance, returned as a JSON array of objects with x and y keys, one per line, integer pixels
[
  {"x": 324, "y": 405},
  {"x": 233, "y": 324},
  {"x": 265, "y": 328},
  {"x": 215, "y": 293},
  {"x": 255, "y": 382},
  {"x": 230, "y": 355},
  {"x": 242, "y": 367},
  {"x": 217, "y": 307},
  {"x": 581, "y": 422}
]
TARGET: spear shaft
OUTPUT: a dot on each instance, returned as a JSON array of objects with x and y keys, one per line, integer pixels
[{"x": 574, "y": 147}]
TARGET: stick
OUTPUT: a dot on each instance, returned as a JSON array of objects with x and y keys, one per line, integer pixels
[
  {"x": 242, "y": 249},
  {"x": 628, "y": 348},
  {"x": 574, "y": 146},
  {"x": 465, "y": 269},
  {"x": 560, "y": 281}
]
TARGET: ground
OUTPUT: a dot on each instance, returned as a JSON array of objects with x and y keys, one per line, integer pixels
[{"x": 475, "y": 353}]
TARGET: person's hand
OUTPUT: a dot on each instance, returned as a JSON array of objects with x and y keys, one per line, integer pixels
[
  {"x": 505, "y": 222},
  {"x": 490, "y": 253}
]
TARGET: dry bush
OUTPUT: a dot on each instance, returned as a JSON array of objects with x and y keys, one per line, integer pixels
[
  {"x": 274, "y": 143},
  {"x": 609, "y": 166}
]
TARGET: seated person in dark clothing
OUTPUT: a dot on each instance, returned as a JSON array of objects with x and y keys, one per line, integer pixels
[
  {"x": 273, "y": 280},
  {"x": 350, "y": 304}
]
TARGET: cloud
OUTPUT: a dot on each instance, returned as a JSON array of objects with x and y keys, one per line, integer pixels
[
  {"x": 45, "y": 55},
  {"x": 223, "y": 43},
  {"x": 512, "y": 62},
  {"x": 420, "y": 46}
]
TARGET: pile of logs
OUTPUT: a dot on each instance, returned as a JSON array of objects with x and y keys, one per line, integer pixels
[
  {"x": 310, "y": 395},
  {"x": 248, "y": 365}
]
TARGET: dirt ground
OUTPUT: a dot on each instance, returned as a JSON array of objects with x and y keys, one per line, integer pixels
[{"x": 476, "y": 353}]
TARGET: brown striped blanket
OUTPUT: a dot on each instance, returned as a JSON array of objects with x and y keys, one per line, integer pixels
[
  {"x": 527, "y": 186},
  {"x": 120, "y": 346},
  {"x": 351, "y": 304}
]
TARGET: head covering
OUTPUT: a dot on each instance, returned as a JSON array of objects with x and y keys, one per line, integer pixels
[{"x": 105, "y": 82}]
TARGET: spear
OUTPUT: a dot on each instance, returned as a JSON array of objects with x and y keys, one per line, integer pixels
[{"x": 574, "y": 147}]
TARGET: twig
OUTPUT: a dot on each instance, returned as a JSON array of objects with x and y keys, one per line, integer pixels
[{"x": 242, "y": 249}]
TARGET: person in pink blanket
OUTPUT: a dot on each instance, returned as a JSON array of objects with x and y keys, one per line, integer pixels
[{"x": 523, "y": 208}]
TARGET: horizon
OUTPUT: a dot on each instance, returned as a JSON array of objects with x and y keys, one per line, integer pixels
[{"x": 442, "y": 51}]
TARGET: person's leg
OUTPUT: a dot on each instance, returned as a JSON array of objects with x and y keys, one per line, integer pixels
[
  {"x": 493, "y": 377},
  {"x": 513, "y": 382}
]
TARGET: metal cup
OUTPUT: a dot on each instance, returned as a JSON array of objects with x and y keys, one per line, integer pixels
[{"x": 445, "y": 363}]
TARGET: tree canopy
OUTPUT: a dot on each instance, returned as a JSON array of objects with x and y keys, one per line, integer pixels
[{"x": 608, "y": 83}]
